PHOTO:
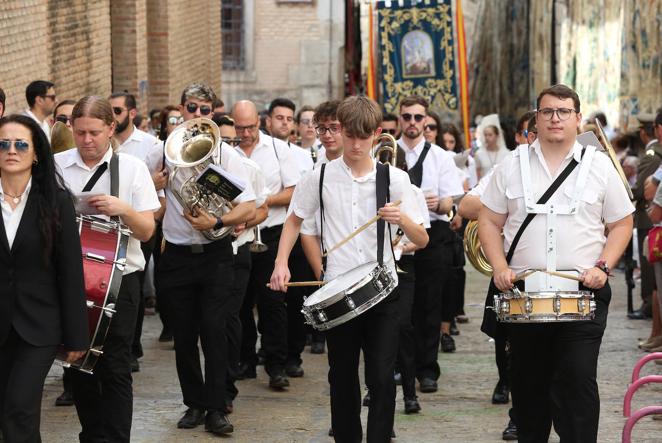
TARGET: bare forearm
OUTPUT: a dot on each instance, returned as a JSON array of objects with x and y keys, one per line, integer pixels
[
  {"x": 141, "y": 224},
  {"x": 241, "y": 213},
  {"x": 287, "y": 238},
  {"x": 470, "y": 207},
  {"x": 490, "y": 240},
  {"x": 311, "y": 248},
  {"x": 617, "y": 240},
  {"x": 282, "y": 198},
  {"x": 414, "y": 232},
  {"x": 260, "y": 216},
  {"x": 445, "y": 205}
]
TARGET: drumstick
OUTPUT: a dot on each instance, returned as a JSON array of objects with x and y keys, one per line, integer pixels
[
  {"x": 524, "y": 275},
  {"x": 562, "y": 275},
  {"x": 358, "y": 231},
  {"x": 302, "y": 283}
]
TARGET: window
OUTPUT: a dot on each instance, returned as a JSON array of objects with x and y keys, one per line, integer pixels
[{"x": 232, "y": 32}]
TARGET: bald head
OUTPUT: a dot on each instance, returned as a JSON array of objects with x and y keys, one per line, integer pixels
[{"x": 247, "y": 123}]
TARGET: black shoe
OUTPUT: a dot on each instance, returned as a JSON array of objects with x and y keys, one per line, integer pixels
[
  {"x": 317, "y": 347},
  {"x": 294, "y": 371},
  {"x": 501, "y": 394},
  {"x": 454, "y": 330},
  {"x": 330, "y": 432},
  {"x": 397, "y": 378},
  {"x": 638, "y": 315},
  {"x": 510, "y": 433},
  {"x": 278, "y": 381},
  {"x": 166, "y": 335},
  {"x": 366, "y": 399},
  {"x": 412, "y": 406},
  {"x": 135, "y": 366},
  {"x": 229, "y": 408},
  {"x": 65, "y": 399},
  {"x": 246, "y": 371},
  {"x": 217, "y": 423},
  {"x": 428, "y": 385},
  {"x": 191, "y": 419},
  {"x": 447, "y": 343}
]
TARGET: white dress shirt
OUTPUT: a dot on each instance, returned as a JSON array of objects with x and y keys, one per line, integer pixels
[
  {"x": 486, "y": 160},
  {"x": 12, "y": 217},
  {"x": 176, "y": 229},
  {"x": 256, "y": 178},
  {"x": 146, "y": 147},
  {"x": 479, "y": 189},
  {"x": 581, "y": 237},
  {"x": 303, "y": 157},
  {"x": 42, "y": 124},
  {"x": 135, "y": 188},
  {"x": 350, "y": 202},
  {"x": 280, "y": 170},
  {"x": 440, "y": 175}
]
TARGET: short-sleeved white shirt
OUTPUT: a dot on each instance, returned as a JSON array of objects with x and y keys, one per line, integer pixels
[
  {"x": 176, "y": 229},
  {"x": 135, "y": 188},
  {"x": 303, "y": 157},
  {"x": 581, "y": 237},
  {"x": 280, "y": 170},
  {"x": 256, "y": 177},
  {"x": 479, "y": 189},
  {"x": 350, "y": 202},
  {"x": 144, "y": 146},
  {"x": 440, "y": 175}
]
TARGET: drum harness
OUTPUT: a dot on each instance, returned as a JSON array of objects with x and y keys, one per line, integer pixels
[{"x": 114, "y": 179}]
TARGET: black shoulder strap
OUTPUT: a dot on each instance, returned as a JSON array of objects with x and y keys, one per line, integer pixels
[
  {"x": 273, "y": 143},
  {"x": 115, "y": 175},
  {"x": 542, "y": 200},
  {"x": 416, "y": 172},
  {"x": 95, "y": 177},
  {"x": 322, "y": 218},
  {"x": 382, "y": 191}
]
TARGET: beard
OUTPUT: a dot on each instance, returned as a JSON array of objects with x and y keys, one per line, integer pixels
[{"x": 121, "y": 126}]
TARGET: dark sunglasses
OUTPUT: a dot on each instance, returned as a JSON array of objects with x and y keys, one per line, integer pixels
[
  {"x": 175, "y": 120},
  {"x": 20, "y": 145},
  {"x": 430, "y": 127},
  {"x": 118, "y": 110},
  {"x": 418, "y": 117},
  {"x": 51, "y": 96},
  {"x": 389, "y": 131},
  {"x": 204, "y": 109},
  {"x": 62, "y": 118}
]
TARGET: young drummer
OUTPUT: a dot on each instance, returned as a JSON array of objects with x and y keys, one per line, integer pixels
[{"x": 349, "y": 199}]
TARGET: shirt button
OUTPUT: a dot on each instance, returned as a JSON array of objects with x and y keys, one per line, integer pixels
[{"x": 354, "y": 203}]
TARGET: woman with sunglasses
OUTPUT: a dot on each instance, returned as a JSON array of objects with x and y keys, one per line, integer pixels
[
  {"x": 431, "y": 128},
  {"x": 42, "y": 298},
  {"x": 170, "y": 119},
  {"x": 62, "y": 112}
]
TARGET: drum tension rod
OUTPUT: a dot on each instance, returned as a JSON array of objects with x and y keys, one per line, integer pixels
[
  {"x": 90, "y": 305},
  {"x": 102, "y": 259}
]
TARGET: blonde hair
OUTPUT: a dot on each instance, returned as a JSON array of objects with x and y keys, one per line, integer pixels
[
  {"x": 93, "y": 106},
  {"x": 359, "y": 116}
]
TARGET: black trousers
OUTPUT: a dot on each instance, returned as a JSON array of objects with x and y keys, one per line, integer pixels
[
  {"x": 104, "y": 400},
  {"x": 553, "y": 376},
  {"x": 242, "y": 270},
  {"x": 296, "y": 331},
  {"x": 376, "y": 332},
  {"x": 147, "y": 249},
  {"x": 199, "y": 285},
  {"x": 433, "y": 302},
  {"x": 407, "y": 346},
  {"x": 23, "y": 369},
  {"x": 271, "y": 309}
]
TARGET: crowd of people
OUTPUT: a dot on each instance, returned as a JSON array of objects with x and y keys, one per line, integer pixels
[{"x": 310, "y": 178}]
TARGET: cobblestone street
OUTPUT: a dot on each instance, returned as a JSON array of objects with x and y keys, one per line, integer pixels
[{"x": 459, "y": 412}]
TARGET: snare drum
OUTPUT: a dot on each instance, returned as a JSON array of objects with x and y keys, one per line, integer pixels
[
  {"x": 544, "y": 307},
  {"x": 104, "y": 245},
  {"x": 348, "y": 296}
]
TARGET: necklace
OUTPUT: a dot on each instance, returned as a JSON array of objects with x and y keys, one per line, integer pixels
[{"x": 15, "y": 198}]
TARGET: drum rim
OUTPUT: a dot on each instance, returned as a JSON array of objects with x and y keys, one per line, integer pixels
[{"x": 345, "y": 292}]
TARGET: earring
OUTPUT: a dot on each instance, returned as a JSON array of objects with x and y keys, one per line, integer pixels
[{"x": 34, "y": 162}]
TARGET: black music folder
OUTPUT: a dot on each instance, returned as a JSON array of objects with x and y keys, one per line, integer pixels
[{"x": 221, "y": 182}]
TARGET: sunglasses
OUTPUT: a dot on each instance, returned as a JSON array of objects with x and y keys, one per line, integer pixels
[
  {"x": 430, "y": 127},
  {"x": 418, "y": 117},
  {"x": 51, "y": 96},
  {"x": 204, "y": 109},
  {"x": 118, "y": 110},
  {"x": 20, "y": 145},
  {"x": 175, "y": 120},
  {"x": 389, "y": 131},
  {"x": 62, "y": 118}
]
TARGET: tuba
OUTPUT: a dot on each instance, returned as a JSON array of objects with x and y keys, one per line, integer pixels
[
  {"x": 62, "y": 138},
  {"x": 190, "y": 148},
  {"x": 474, "y": 251}
]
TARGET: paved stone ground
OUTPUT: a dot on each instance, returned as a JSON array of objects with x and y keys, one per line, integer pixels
[{"x": 459, "y": 412}]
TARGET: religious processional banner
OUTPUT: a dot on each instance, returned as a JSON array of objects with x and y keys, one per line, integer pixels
[{"x": 416, "y": 47}]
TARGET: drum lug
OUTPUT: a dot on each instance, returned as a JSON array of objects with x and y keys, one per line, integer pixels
[
  {"x": 350, "y": 302},
  {"x": 109, "y": 309},
  {"x": 557, "y": 305},
  {"x": 321, "y": 316},
  {"x": 581, "y": 305},
  {"x": 528, "y": 305}
]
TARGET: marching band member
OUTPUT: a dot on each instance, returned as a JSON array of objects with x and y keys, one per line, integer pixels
[
  {"x": 42, "y": 298},
  {"x": 553, "y": 372},
  {"x": 349, "y": 199},
  {"x": 196, "y": 275},
  {"x": 104, "y": 400}
]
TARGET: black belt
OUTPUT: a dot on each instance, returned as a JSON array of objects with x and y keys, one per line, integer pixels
[{"x": 214, "y": 246}]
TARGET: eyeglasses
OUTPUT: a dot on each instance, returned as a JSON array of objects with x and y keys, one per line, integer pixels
[
  {"x": 245, "y": 128},
  {"x": 118, "y": 110},
  {"x": 172, "y": 120},
  {"x": 19, "y": 144},
  {"x": 306, "y": 121},
  {"x": 418, "y": 117},
  {"x": 430, "y": 127},
  {"x": 332, "y": 130},
  {"x": 51, "y": 96},
  {"x": 561, "y": 113},
  {"x": 62, "y": 118},
  {"x": 204, "y": 109},
  {"x": 391, "y": 131}
]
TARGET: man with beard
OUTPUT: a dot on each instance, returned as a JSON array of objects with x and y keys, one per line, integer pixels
[
  {"x": 40, "y": 95},
  {"x": 435, "y": 173},
  {"x": 149, "y": 149}
]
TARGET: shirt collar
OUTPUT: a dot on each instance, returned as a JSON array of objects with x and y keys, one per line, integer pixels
[
  {"x": 29, "y": 113},
  {"x": 417, "y": 149},
  {"x": 575, "y": 152},
  {"x": 26, "y": 192},
  {"x": 650, "y": 143},
  {"x": 134, "y": 137},
  {"x": 74, "y": 158},
  {"x": 366, "y": 178}
]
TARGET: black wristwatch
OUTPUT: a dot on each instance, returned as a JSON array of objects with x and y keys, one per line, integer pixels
[{"x": 219, "y": 223}]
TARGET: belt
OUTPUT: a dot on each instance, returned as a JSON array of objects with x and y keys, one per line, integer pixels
[{"x": 199, "y": 248}]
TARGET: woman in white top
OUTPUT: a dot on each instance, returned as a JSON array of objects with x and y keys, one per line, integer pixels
[{"x": 492, "y": 152}]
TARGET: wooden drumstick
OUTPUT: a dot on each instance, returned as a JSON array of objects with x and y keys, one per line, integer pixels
[
  {"x": 523, "y": 275},
  {"x": 562, "y": 275},
  {"x": 302, "y": 283},
  {"x": 358, "y": 231}
]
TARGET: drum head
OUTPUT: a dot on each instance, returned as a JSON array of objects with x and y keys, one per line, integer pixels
[{"x": 340, "y": 284}]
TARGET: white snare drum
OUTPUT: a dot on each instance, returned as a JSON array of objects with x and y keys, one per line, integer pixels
[
  {"x": 544, "y": 307},
  {"x": 347, "y": 296}
]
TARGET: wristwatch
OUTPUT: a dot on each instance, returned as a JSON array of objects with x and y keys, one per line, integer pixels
[{"x": 219, "y": 223}]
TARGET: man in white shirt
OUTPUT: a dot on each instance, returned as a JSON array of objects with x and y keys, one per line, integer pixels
[
  {"x": 196, "y": 274},
  {"x": 280, "y": 122},
  {"x": 281, "y": 173},
  {"x": 432, "y": 170},
  {"x": 553, "y": 365},
  {"x": 104, "y": 400},
  {"x": 349, "y": 194},
  {"x": 40, "y": 95}
]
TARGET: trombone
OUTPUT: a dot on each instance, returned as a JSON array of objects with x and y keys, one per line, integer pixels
[{"x": 257, "y": 246}]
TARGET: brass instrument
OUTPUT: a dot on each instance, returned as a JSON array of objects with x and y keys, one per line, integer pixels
[
  {"x": 257, "y": 246},
  {"x": 190, "y": 148},
  {"x": 612, "y": 156},
  {"x": 474, "y": 251},
  {"x": 62, "y": 138},
  {"x": 381, "y": 147}
]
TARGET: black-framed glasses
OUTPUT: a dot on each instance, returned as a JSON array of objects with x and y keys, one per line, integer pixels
[
  {"x": 245, "y": 128},
  {"x": 430, "y": 127},
  {"x": 417, "y": 117},
  {"x": 51, "y": 96},
  {"x": 118, "y": 110},
  {"x": 332, "y": 130},
  {"x": 391, "y": 131},
  {"x": 20, "y": 145},
  {"x": 62, "y": 118},
  {"x": 561, "y": 113},
  {"x": 172, "y": 120},
  {"x": 204, "y": 109}
]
